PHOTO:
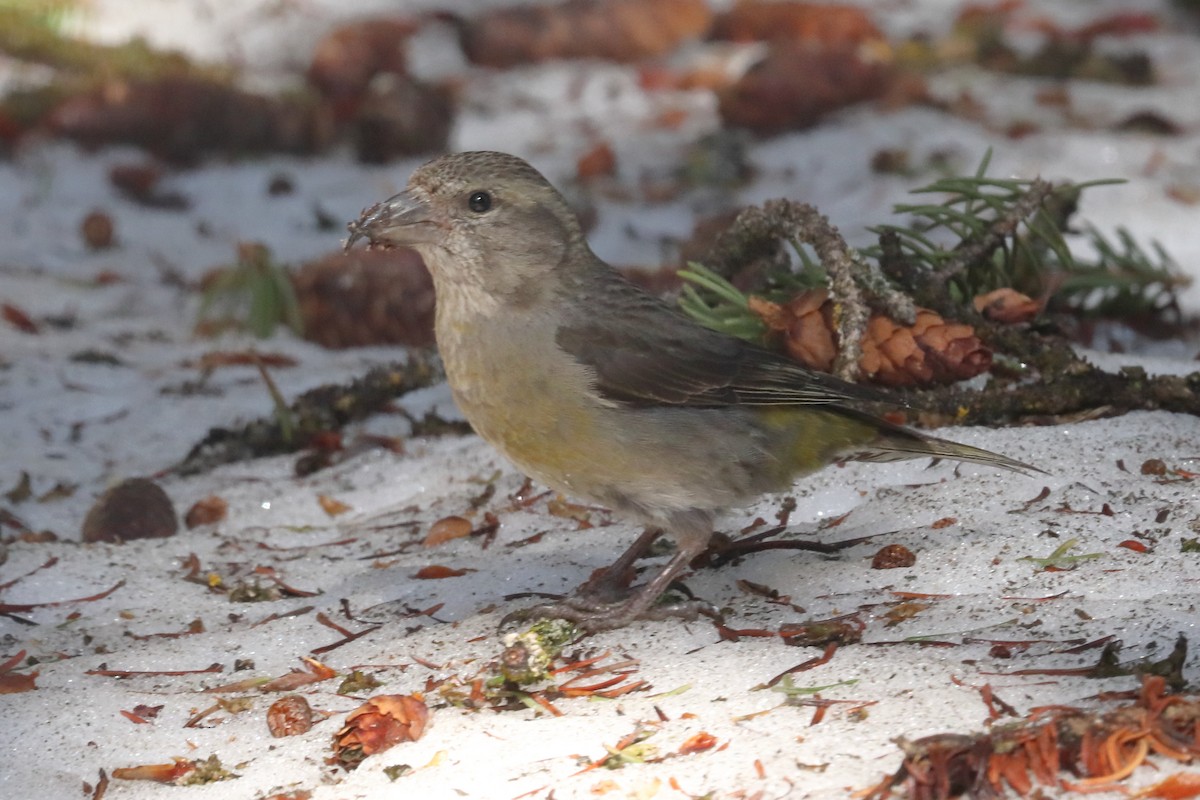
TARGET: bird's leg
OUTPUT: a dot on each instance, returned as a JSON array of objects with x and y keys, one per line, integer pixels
[
  {"x": 605, "y": 601},
  {"x": 612, "y": 584},
  {"x": 643, "y": 603}
]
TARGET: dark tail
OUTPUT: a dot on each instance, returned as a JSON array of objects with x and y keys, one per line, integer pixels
[{"x": 895, "y": 443}]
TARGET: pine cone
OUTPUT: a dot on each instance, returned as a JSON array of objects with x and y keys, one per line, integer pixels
[
  {"x": 816, "y": 24},
  {"x": 611, "y": 30},
  {"x": 383, "y": 721},
  {"x": 931, "y": 351},
  {"x": 366, "y": 297},
  {"x": 794, "y": 86},
  {"x": 806, "y": 323},
  {"x": 348, "y": 57}
]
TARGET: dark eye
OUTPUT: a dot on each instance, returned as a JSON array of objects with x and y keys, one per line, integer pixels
[{"x": 479, "y": 202}]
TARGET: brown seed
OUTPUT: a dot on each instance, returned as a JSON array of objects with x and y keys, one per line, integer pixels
[
  {"x": 332, "y": 506},
  {"x": 136, "y": 508},
  {"x": 447, "y": 528},
  {"x": 1007, "y": 306},
  {"x": 600, "y": 161},
  {"x": 280, "y": 184},
  {"x": 135, "y": 180},
  {"x": 893, "y": 556},
  {"x": 1154, "y": 466},
  {"x": 289, "y": 716},
  {"x": 206, "y": 511},
  {"x": 97, "y": 229}
]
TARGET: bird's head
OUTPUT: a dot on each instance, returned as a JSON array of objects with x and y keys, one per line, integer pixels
[{"x": 481, "y": 219}]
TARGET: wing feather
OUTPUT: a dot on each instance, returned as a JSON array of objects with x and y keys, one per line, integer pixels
[{"x": 658, "y": 356}]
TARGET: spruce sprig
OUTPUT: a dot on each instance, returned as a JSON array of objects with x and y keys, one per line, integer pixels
[{"x": 986, "y": 233}]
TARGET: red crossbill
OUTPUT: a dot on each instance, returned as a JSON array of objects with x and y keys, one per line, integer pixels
[{"x": 604, "y": 392}]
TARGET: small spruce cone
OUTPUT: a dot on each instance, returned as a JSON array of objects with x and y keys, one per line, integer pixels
[
  {"x": 931, "y": 351},
  {"x": 366, "y": 297}
]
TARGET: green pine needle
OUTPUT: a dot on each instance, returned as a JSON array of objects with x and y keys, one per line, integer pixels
[
  {"x": 255, "y": 294},
  {"x": 715, "y": 302}
]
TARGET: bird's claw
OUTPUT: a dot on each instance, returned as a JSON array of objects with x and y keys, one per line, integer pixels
[{"x": 594, "y": 616}]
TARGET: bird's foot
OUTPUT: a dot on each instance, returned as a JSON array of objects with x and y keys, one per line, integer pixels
[
  {"x": 592, "y": 614},
  {"x": 607, "y": 600}
]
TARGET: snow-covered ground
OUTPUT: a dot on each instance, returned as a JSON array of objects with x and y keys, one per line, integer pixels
[{"x": 86, "y": 424}]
